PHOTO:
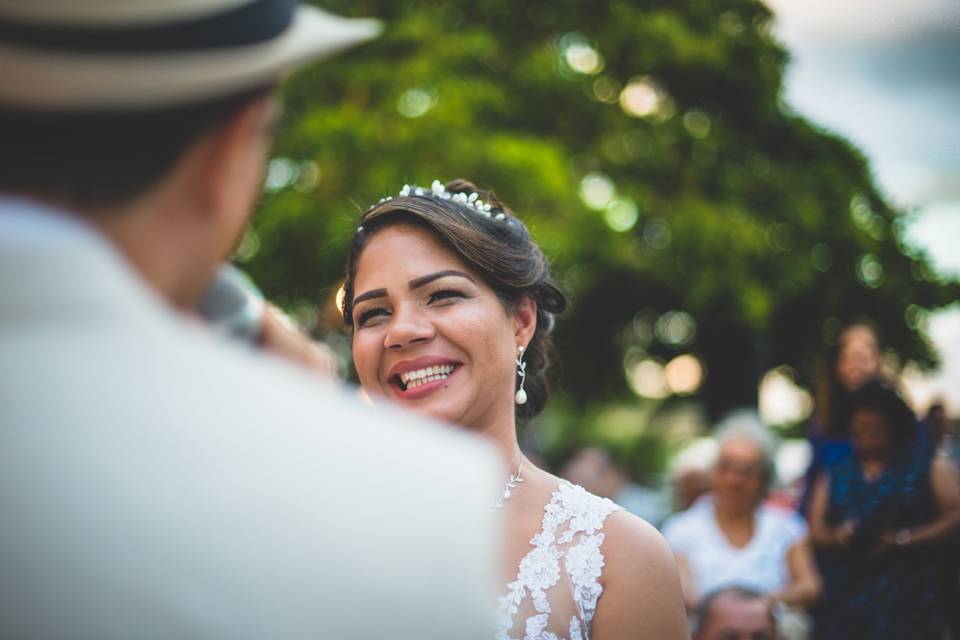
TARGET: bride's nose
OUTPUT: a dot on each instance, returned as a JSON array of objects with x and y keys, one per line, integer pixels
[{"x": 408, "y": 326}]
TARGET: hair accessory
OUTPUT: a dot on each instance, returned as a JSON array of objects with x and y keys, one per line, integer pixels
[
  {"x": 521, "y": 397},
  {"x": 437, "y": 190}
]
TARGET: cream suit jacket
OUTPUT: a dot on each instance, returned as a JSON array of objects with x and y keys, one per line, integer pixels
[{"x": 156, "y": 482}]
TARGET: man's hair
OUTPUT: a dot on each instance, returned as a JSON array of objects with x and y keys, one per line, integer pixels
[
  {"x": 102, "y": 158},
  {"x": 705, "y": 608}
]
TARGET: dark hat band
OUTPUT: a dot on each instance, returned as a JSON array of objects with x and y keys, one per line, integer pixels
[{"x": 249, "y": 24}]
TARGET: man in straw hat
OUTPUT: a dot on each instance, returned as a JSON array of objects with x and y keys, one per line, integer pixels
[{"x": 154, "y": 480}]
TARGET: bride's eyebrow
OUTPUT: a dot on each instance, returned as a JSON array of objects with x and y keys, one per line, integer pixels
[
  {"x": 369, "y": 295},
  {"x": 416, "y": 283}
]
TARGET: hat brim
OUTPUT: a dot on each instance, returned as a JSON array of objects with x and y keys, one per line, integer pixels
[{"x": 44, "y": 80}]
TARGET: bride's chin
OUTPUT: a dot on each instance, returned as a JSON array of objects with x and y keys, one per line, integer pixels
[
  {"x": 440, "y": 414},
  {"x": 434, "y": 413}
]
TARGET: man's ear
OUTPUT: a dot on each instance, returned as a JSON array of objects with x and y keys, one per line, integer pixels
[
  {"x": 524, "y": 321},
  {"x": 225, "y": 166}
]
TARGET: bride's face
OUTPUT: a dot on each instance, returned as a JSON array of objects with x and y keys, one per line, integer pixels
[{"x": 429, "y": 333}]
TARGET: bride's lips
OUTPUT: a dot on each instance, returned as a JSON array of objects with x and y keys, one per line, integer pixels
[{"x": 425, "y": 389}]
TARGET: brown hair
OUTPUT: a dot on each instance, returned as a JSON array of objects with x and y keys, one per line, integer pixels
[
  {"x": 832, "y": 399},
  {"x": 499, "y": 249}
]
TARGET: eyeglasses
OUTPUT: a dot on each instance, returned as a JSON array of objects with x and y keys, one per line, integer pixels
[{"x": 753, "y": 470}]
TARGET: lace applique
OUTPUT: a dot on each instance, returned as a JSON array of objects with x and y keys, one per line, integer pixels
[{"x": 560, "y": 575}]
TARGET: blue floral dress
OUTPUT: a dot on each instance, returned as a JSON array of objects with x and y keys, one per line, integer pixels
[{"x": 888, "y": 595}]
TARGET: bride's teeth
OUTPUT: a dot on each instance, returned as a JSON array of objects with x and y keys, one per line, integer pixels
[{"x": 417, "y": 377}]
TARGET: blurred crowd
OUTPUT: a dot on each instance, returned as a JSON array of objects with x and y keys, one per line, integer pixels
[{"x": 865, "y": 545}]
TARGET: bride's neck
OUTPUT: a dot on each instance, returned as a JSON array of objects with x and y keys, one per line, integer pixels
[
  {"x": 509, "y": 450},
  {"x": 501, "y": 431}
]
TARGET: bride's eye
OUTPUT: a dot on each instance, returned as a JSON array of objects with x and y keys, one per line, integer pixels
[
  {"x": 367, "y": 316},
  {"x": 445, "y": 294}
]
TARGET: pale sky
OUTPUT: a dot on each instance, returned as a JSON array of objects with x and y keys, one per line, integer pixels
[{"x": 886, "y": 75}]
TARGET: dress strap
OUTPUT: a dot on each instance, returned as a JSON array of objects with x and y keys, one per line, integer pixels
[{"x": 568, "y": 545}]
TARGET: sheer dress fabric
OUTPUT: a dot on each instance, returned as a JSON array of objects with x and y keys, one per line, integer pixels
[{"x": 555, "y": 593}]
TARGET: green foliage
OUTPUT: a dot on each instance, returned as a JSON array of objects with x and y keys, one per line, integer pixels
[{"x": 746, "y": 215}]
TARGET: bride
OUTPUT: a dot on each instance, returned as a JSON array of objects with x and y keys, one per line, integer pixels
[{"x": 451, "y": 303}]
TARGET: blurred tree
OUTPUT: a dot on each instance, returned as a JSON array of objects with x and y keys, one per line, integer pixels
[{"x": 686, "y": 208}]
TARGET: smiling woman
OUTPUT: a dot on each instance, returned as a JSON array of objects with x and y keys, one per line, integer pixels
[
  {"x": 451, "y": 305},
  {"x": 492, "y": 249}
]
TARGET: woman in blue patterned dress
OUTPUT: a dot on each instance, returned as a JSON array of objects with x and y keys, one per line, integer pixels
[{"x": 878, "y": 521}]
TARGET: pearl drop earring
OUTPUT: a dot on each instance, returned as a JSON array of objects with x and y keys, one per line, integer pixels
[{"x": 521, "y": 397}]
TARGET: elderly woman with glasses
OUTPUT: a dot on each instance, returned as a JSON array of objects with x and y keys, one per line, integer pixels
[{"x": 729, "y": 537}]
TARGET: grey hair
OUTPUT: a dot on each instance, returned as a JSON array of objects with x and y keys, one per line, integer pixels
[{"x": 745, "y": 425}]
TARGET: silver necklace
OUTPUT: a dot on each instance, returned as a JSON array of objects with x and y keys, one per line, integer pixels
[{"x": 512, "y": 483}]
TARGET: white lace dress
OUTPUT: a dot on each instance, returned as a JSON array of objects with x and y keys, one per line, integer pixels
[{"x": 555, "y": 594}]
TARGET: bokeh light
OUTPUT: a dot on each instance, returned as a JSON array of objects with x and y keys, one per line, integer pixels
[
  {"x": 597, "y": 190},
  {"x": 656, "y": 234},
  {"x": 249, "y": 246},
  {"x": 621, "y": 214},
  {"x": 821, "y": 255},
  {"x": 684, "y": 374},
  {"x": 697, "y": 123},
  {"x": 308, "y": 177},
  {"x": 583, "y": 58},
  {"x": 641, "y": 327},
  {"x": 606, "y": 89},
  {"x": 916, "y": 317},
  {"x": 870, "y": 271},
  {"x": 281, "y": 172},
  {"x": 417, "y": 102},
  {"x": 646, "y": 378},
  {"x": 780, "y": 236},
  {"x": 676, "y": 328},
  {"x": 781, "y": 400},
  {"x": 865, "y": 218},
  {"x": 641, "y": 98}
]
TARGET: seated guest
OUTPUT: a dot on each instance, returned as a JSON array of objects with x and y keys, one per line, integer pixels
[
  {"x": 735, "y": 613},
  {"x": 729, "y": 537}
]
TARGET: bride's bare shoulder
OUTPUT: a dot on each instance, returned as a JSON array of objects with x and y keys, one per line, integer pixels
[
  {"x": 632, "y": 545},
  {"x": 641, "y": 583}
]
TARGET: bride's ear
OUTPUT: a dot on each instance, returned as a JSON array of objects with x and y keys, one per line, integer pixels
[{"x": 524, "y": 320}]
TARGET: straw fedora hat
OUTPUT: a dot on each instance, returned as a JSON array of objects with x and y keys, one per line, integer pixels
[{"x": 81, "y": 55}]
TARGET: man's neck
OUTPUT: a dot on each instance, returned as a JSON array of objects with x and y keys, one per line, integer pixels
[{"x": 156, "y": 251}]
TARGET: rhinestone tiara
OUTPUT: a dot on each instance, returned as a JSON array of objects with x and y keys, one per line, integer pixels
[{"x": 471, "y": 201}]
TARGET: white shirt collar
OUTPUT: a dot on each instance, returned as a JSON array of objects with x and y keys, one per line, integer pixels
[{"x": 25, "y": 221}]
